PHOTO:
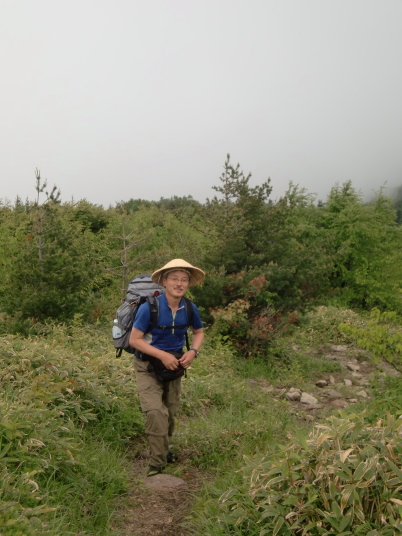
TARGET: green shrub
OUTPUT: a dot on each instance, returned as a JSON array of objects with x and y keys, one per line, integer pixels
[
  {"x": 322, "y": 325},
  {"x": 68, "y": 408},
  {"x": 387, "y": 395},
  {"x": 382, "y": 336},
  {"x": 344, "y": 480}
]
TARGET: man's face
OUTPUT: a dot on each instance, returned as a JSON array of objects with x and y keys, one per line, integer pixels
[{"x": 176, "y": 283}]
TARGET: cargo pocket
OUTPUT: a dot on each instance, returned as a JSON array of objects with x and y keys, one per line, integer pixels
[{"x": 149, "y": 389}]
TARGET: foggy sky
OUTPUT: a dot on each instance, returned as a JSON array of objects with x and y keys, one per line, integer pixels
[{"x": 123, "y": 99}]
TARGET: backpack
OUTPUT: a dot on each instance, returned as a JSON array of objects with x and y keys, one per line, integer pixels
[{"x": 141, "y": 289}]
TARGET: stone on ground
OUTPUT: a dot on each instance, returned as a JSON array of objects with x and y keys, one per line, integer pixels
[
  {"x": 321, "y": 383},
  {"x": 334, "y": 394},
  {"x": 353, "y": 367},
  {"x": 163, "y": 481},
  {"x": 308, "y": 399}
]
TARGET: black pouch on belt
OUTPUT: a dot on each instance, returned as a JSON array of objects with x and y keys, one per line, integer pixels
[{"x": 161, "y": 372}]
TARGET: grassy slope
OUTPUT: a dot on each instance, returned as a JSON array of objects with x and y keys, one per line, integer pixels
[
  {"x": 68, "y": 410},
  {"x": 240, "y": 424}
]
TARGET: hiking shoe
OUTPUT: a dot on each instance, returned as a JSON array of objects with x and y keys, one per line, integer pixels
[
  {"x": 152, "y": 471},
  {"x": 171, "y": 457}
]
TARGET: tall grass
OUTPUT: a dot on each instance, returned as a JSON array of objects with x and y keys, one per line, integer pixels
[
  {"x": 237, "y": 431},
  {"x": 233, "y": 419},
  {"x": 67, "y": 411}
]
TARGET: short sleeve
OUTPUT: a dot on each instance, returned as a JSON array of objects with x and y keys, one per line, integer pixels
[
  {"x": 197, "y": 322},
  {"x": 142, "y": 318}
]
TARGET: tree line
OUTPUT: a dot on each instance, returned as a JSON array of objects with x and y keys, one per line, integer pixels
[{"x": 266, "y": 261}]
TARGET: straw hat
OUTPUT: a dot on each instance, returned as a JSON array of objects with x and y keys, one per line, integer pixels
[{"x": 196, "y": 274}]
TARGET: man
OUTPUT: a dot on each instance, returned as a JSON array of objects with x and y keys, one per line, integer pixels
[{"x": 160, "y": 400}]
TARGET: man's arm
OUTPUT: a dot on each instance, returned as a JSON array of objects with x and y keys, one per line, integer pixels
[
  {"x": 187, "y": 358},
  {"x": 137, "y": 342}
]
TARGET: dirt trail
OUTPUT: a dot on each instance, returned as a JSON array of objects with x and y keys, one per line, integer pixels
[
  {"x": 165, "y": 511},
  {"x": 159, "y": 511}
]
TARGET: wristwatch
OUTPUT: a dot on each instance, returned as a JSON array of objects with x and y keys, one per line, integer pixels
[{"x": 194, "y": 350}]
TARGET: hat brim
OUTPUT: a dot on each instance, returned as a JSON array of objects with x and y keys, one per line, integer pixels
[{"x": 196, "y": 274}]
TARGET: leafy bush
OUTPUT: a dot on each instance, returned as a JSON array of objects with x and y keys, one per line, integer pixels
[
  {"x": 322, "y": 325},
  {"x": 344, "y": 480},
  {"x": 67, "y": 411},
  {"x": 387, "y": 394},
  {"x": 382, "y": 336},
  {"x": 252, "y": 314},
  {"x": 364, "y": 244}
]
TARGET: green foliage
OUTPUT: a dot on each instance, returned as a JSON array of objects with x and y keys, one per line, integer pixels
[
  {"x": 226, "y": 417},
  {"x": 382, "y": 336},
  {"x": 321, "y": 325},
  {"x": 234, "y": 221},
  {"x": 175, "y": 203},
  {"x": 295, "y": 249},
  {"x": 53, "y": 270},
  {"x": 295, "y": 359},
  {"x": 154, "y": 236},
  {"x": 67, "y": 411},
  {"x": 91, "y": 217},
  {"x": 397, "y": 204},
  {"x": 364, "y": 243},
  {"x": 281, "y": 253},
  {"x": 344, "y": 479},
  {"x": 253, "y": 313},
  {"x": 387, "y": 396},
  {"x": 277, "y": 258}
]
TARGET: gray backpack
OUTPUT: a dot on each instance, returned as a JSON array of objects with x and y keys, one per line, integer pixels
[{"x": 140, "y": 289}]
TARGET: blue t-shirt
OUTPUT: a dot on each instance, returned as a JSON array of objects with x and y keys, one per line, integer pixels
[{"x": 171, "y": 340}]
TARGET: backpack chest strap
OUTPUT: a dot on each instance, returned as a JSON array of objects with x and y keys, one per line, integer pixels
[{"x": 182, "y": 326}]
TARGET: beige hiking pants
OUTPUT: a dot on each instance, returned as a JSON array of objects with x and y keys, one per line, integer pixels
[{"x": 160, "y": 401}]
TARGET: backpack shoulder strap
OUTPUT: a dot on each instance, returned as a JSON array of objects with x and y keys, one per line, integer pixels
[
  {"x": 190, "y": 316},
  {"x": 154, "y": 311},
  {"x": 189, "y": 311}
]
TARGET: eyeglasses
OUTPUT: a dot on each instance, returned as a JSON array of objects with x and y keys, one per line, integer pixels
[{"x": 185, "y": 281}]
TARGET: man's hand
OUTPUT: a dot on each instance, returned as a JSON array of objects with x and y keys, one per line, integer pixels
[
  {"x": 170, "y": 361},
  {"x": 187, "y": 358}
]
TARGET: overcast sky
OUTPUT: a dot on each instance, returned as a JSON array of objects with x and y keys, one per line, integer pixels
[{"x": 123, "y": 99}]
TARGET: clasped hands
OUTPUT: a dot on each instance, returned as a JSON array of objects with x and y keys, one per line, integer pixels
[{"x": 171, "y": 362}]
